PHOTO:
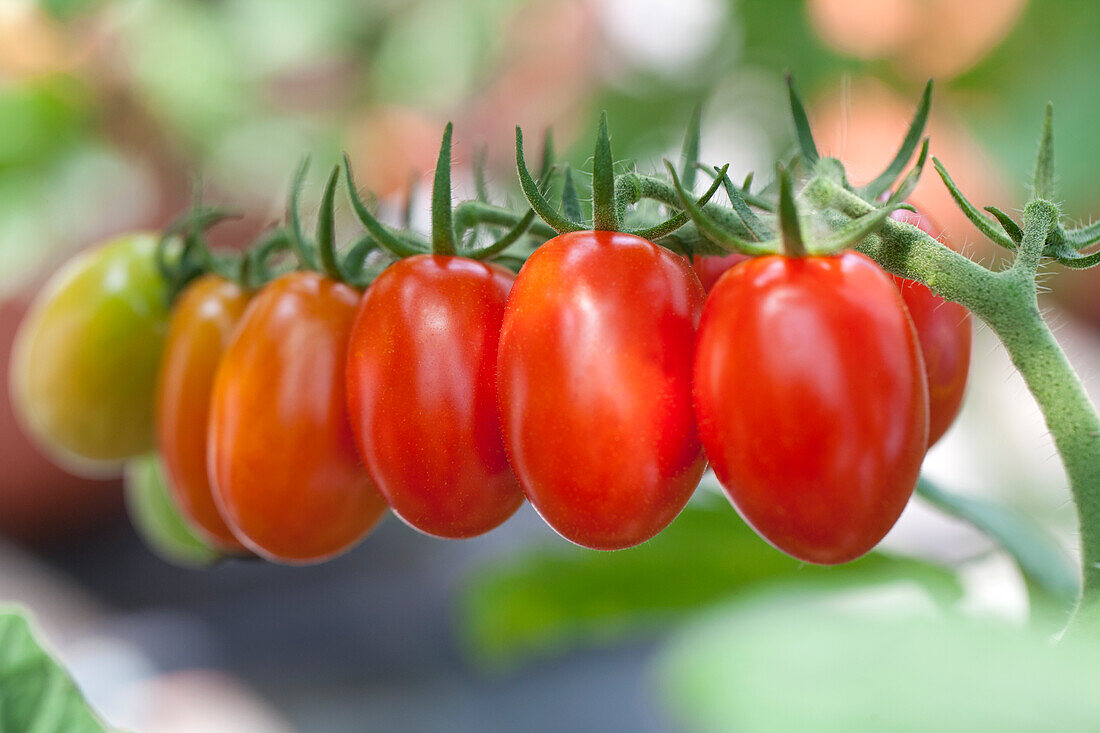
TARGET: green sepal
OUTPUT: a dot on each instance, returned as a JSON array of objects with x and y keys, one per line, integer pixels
[
  {"x": 1012, "y": 229},
  {"x": 759, "y": 229},
  {"x": 985, "y": 225},
  {"x": 1083, "y": 237},
  {"x": 857, "y": 229},
  {"x": 385, "y": 238},
  {"x": 443, "y": 233},
  {"x": 801, "y": 124},
  {"x": 789, "y": 227},
  {"x": 689, "y": 151},
  {"x": 570, "y": 201},
  {"x": 255, "y": 270},
  {"x": 359, "y": 274},
  {"x": 882, "y": 182},
  {"x": 668, "y": 226},
  {"x": 326, "y": 229},
  {"x": 535, "y": 197},
  {"x": 714, "y": 231},
  {"x": 306, "y": 256},
  {"x": 753, "y": 199},
  {"x": 605, "y": 216},
  {"x": 481, "y": 188},
  {"x": 1043, "y": 186},
  {"x": 506, "y": 241}
]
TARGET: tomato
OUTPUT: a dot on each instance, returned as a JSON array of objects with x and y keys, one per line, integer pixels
[
  {"x": 202, "y": 324},
  {"x": 85, "y": 360},
  {"x": 943, "y": 329},
  {"x": 422, "y": 394},
  {"x": 594, "y": 373},
  {"x": 40, "y": 503},
  {"x": 812, "y": 402},
  {"x": 281, "y": 453},
  {"x": 710, "y": 268},
  {"x": 156, "y": 518}
]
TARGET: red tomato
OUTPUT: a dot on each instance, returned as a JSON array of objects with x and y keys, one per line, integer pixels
[
  {"x": 281, "y": 452},
  {"x": 710, "y": 268},
  {"x": 811, "y": 399},
  {"x": 422, "y": 394},
  {"x": 595, "y": 386},
  {"x": 943, "y": 329},
  {"x": 203, "y": 319}
]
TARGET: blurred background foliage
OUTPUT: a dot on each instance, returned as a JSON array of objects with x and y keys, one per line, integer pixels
[{"x": 109, "y": 109}]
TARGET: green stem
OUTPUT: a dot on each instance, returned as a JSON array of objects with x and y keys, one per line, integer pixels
[{"x": 469, "y": 214}]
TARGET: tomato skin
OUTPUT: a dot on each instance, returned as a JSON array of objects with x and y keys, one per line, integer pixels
[
  {"x": 202, "y": 324},
  {"x": 84, "y": 363},
  {"x": 157, "y": 519},
  {"x": 944, "y": 331},
  {"x": 710, "y": 268},
  {"x": 594, "y": 374},
  {"x": 422, "y": 394},
  {"x": 281, "y": 453},
  {"x": 812, "y": 402}
]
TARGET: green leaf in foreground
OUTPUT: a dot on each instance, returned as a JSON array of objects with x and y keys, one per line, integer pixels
[
  {"x": 1040, "y": 558},
  {"x": 547, "y": 599},
  {"x": 36, "y": 694},
  {"x": 781, "y": 665}
]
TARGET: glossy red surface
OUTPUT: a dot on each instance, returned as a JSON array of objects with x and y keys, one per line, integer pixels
[
  {"x": 282, "y": 456},
  {"x": 811, "y": 399},
  {"x": 422, "y": 394},
  {"x": 595, "y": 386},
  {"x": 202, "y": 324}
]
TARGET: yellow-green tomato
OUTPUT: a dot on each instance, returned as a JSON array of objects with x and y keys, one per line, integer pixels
[
  {"x": 85, "y": 359},
  {"x": 157, "y": 519}
]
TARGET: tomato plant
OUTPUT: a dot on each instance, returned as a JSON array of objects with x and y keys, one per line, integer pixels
[
  {"x": 282, "y": 456},
  {"x": 203, "y": 320},
  {"x": 422, "y": 393},
  {"x": 85, "y": 359},
  {"x": 811, "y": 400},
  {"x": 943, "y": 329}
]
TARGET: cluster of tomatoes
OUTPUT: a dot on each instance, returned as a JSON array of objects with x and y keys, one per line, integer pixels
[{"x": 597, "y": 384}]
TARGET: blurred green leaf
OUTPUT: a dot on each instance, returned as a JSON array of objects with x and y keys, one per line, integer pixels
[
  {"x": 41, "y": 119},
  {"x": 36, "y": 694},
  {"x": 547, "y": 599},
  {"x": 785, "y": 664},
  {"x": 1041, "y": 559}
]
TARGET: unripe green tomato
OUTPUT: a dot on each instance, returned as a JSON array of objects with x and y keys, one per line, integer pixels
[
  {"x": 85, "y": 359},
  {"x": 157, "y": 520}
]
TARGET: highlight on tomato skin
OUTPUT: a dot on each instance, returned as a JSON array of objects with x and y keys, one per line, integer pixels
[
  {"x": 945, "y": 334},
  {"x": 822, "y": 451},
  {"x": 282, "y": 456},
  {"x": 422, "y": 394},
  {"x": 203, "y": 321},
  {"x": 594, "y": 373}
]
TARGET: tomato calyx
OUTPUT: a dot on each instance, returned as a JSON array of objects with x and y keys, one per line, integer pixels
[
  {"x": 611, "y": 194},
  {"x": 454, "y": 230}
]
